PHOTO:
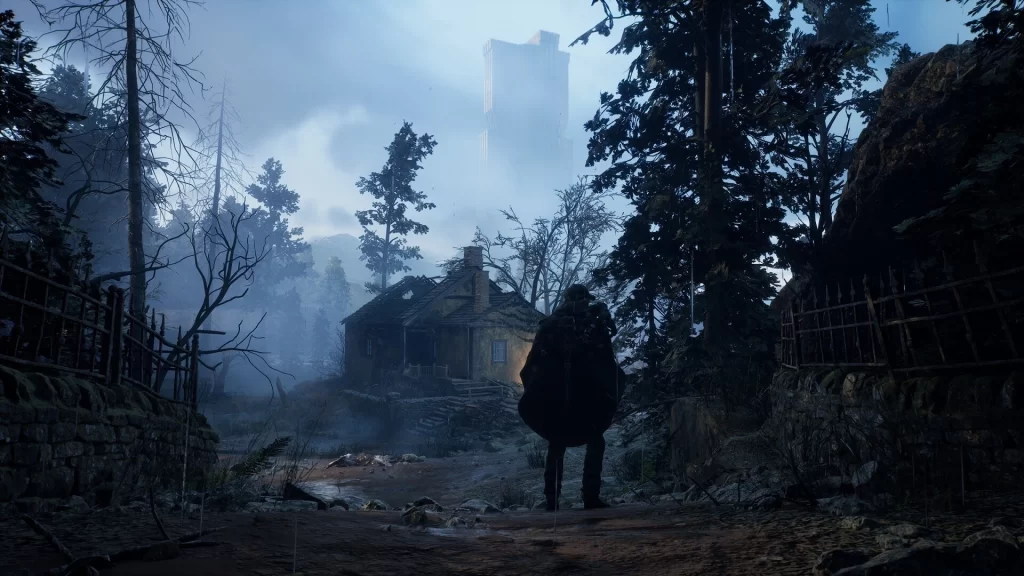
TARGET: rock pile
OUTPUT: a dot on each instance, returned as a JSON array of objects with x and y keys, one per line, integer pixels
[{"x": 911, "y": 549}]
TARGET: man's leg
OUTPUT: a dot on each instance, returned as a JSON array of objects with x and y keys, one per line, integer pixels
[
  {"x": 553, "y": 472},
  {"x": 592, "y": 464}
]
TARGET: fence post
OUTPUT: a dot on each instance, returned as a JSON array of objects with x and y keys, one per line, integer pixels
[
  {"x": 194, "y": 372},
  {"x": 796, "y": 334},
  {"x": 114, "y": 350},
  {"x": 108, "y": 325},
  {"x": 873, "y": 315}
]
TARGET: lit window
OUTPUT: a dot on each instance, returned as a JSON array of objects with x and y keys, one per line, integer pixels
[
  {"x": 369, "y": 346},
  {"x": 498, "y": 351}
]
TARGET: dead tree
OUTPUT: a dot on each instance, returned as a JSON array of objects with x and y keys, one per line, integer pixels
[
  {"x": 225, "y": 172},
  {"x": 541, "y": 260},
  {"x": 144, "y": 73},
  {"x": 225, "y": 259}
]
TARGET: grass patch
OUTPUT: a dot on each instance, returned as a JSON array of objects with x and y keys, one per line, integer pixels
[
  {"x": 515, "y": 494},
  {"x": 536, "y": 455}
]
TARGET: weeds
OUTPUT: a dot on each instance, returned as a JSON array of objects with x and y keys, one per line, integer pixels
[
  {"x": 536, "y": 455},
  {"x": 628, "y": 468},
  {"x": 515, "y": 494}
]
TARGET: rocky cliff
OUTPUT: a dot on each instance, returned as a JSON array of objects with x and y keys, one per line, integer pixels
[
  {"x": 62, "y": 436},
  {"x": 945, "y": 145}
]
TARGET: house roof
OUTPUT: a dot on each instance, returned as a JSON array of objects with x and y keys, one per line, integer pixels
[
  {"x": 390, "y": 305},
  {"x": 439, "y": 290},
  {"x": 506, "y": 308}
]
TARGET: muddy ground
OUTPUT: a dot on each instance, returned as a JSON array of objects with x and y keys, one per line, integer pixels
[{"x": 631, "y": 538}]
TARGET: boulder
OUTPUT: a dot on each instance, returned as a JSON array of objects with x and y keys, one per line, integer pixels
[
  {"x": 480, "y": 506},
  {"x": 939, "y": 119},
  {"x": 376, "y": 505},
  {"x": 927, "y": 559},
  {"x": 844, "y": 506},
  {"x": 833, "y": 561},
  {"x": 293, "y": 492}
]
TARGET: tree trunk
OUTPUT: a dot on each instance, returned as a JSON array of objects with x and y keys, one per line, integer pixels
[
  {"x": 136, "y": 253},
  {"x": 385, "y": 257},
  {"x": 215, "y": 209},
  {"x": 713, "y": 181},
  {"x": 221, "y": 375},
  {"x": 824, "y": 176},
  {"x": 698, "y": 92}
]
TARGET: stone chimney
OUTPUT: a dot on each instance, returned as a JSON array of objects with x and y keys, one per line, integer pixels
[
  {"x": 473, "y": 259},
  {"x": 481, "y": 291}
]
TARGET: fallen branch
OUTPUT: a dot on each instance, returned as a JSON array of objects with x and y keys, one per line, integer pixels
[
  {"x": 86, "y": 563},
  {"x": 159, "y": 524},
  {"x": 192, "y": 536},
  {"x": 38, "y": 529},
  {"x": 703, "y": 489},
  {"x": 200, "y": 544}
]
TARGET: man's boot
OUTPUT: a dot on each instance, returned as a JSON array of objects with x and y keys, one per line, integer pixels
[
  {"x": 552, "y": 503},
  {"x": 594, "y": 503}
]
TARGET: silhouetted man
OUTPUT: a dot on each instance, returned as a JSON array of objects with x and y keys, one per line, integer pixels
[{"x": 572, "y": 387}]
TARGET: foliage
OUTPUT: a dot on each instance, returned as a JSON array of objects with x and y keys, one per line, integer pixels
[
  {"x": 31, "y": 129},
  {"x": 822, "y": 78},
  {"x": 321, "y": 336},
  {"x": 335, "y": 291},
  {"x": 539, "y": 261},
  {"x": 262, "y": 459},
  {"x": 93, "y": 171},
  {"x": 393, "y": 195},
  {"x": 996, "y": 22},
  {"x": 536, "y": 455},
  {"x": 269, "y": 227},
  {"x": 694, "y": 189},
  {"x": 289, "y": 325}
]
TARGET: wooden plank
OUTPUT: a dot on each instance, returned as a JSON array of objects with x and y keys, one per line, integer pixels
[{"x": 12, "y": 266}]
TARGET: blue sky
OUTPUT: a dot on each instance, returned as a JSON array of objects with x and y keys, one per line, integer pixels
[{"x": 323, "y": 85}]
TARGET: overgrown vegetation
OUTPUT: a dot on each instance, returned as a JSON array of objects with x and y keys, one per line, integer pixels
[
  {"x": 536, "y": 454},
  {"x": 514, "y": 493}
]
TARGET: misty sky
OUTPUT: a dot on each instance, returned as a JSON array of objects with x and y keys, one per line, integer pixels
[{"x": 323, "y": 85}]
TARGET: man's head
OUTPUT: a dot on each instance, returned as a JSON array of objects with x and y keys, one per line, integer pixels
[{"x": 577, "y": 293}]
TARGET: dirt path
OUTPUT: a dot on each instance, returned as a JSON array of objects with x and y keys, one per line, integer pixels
[
  {"x": 625, "y": 540},
  {"x": 690, "y": 539},
  {"x": 630, "y": 539}
]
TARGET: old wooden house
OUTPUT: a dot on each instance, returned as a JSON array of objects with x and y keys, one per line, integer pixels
[{"x": 462, "y": 326}]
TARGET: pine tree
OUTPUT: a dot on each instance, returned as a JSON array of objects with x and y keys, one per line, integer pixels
[
  {"x": 335, "y": 291},
  {"x": 270, "y": 225},
  {"x": 31, "y": 129},
  {"x": 683, "y": 144},
  {"x": 392, "y": 190},
  {"x": 823, "y": 74}
]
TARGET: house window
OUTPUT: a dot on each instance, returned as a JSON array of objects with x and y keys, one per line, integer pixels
[
  {"x": 499, "y": 351},
  {"x": 369, "y": 346}
]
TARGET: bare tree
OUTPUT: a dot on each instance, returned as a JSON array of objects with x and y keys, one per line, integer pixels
[
  {"x": 141, "y": 71},
  {"x": 542, "y": 259},
  {"x": 223, "y": 158},
  {"x": 225, "y": 258}
]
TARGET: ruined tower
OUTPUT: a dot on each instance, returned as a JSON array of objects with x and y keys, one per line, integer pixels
[{"x": 526, "y": 102}]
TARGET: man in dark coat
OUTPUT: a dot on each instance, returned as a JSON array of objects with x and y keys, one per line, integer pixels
[{"x": 572, "y": 386}]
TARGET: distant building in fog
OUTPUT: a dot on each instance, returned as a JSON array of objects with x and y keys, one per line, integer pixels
[{"x": 526, "y": 105}]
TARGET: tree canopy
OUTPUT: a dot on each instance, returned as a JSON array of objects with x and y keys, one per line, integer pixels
[{"x": 386, "y": 251}]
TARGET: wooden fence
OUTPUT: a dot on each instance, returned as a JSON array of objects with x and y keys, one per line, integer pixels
[
  {"x": 969, "y": 323},
  {"x": 87, "y": 332}
]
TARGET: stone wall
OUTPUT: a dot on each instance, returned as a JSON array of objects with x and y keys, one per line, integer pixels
[
  {"x": 62, "y": 436},
  {"x": 933, "y": 432}
]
